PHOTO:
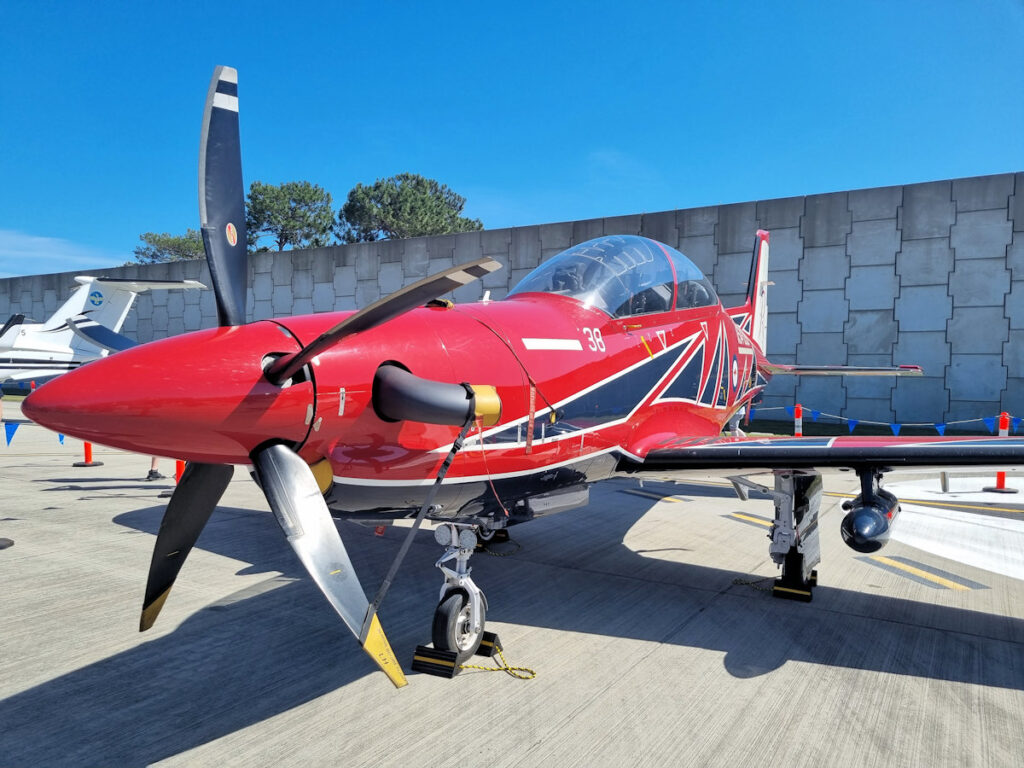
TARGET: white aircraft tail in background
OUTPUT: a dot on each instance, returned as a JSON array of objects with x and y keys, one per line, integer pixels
[{"x": 84, "y": 328}]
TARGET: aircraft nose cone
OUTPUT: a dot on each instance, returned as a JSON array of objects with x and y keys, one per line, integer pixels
[{"x": 199, "y": 397}]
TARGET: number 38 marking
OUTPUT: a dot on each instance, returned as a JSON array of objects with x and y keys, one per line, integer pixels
[{"x": 594, "y": 340}]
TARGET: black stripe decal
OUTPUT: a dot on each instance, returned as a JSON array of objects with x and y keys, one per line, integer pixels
[
  {"x": 610, "y": 401},
  {"x": 14, "y": 364}
]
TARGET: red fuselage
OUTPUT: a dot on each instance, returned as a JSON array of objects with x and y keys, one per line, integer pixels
[{"x": 615, "y": 385}]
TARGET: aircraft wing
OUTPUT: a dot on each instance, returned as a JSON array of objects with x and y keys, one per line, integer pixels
[
  {"x": 847, "y": 451},
  {"x": 100, "y": 335}
]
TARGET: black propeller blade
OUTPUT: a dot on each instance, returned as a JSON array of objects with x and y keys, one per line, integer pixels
[
  {"x": 194, "y": 500},
  {"x": 296, "y": 500},
  {"x": 222, "y": 197},
  {"x": 381, "y": 311}
]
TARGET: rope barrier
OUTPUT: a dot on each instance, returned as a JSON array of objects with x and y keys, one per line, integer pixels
[{"x": 990, "y": 422}]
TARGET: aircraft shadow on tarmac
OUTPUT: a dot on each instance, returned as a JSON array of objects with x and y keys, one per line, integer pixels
[{"x": 261, "y": 652}]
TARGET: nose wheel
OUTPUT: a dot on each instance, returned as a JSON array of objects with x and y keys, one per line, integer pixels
[
  {"x": 460, "y": 615},
  {"x": 454, "y": 628}
]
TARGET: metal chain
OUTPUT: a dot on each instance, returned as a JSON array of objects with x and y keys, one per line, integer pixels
[
  {"x": 485, "y": 548},
  {"x": 753, "y": 583}
]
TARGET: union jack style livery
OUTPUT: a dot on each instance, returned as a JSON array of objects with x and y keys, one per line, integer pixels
[{"x": 613, "y": 356}]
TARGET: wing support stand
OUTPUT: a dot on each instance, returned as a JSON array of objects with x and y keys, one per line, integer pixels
[{"x": 794, "y": 533}]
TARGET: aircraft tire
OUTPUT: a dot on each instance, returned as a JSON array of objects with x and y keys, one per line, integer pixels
[{"x": 451, "y": 631}]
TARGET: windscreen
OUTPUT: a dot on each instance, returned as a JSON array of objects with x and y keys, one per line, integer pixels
[{"x": 621, "y": 275}]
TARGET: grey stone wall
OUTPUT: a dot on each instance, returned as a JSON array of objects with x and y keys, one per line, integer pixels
[{"x": 930, "y": 273}]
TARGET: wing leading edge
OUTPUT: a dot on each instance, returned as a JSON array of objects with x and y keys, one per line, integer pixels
[{"x": 697, "y": 453}]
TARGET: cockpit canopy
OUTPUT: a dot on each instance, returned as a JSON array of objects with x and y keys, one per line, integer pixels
[{"x": 622, "y": 275}]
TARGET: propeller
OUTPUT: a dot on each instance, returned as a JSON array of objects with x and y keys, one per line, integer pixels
[{"x": 287, "y": 480}]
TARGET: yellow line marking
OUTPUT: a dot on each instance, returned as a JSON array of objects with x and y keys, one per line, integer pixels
[
  {"x": 748, "y": 518},
  {"x": 922, "y": 502},
  {"x": 337, "y": 571},
  {"x": 918, "y": 572},
  {"x": 930, "y": 503},
  {"x": 647, "y": 347},
  {"x": 979, "y": 507},
  {"x": 650, "y": 495}
]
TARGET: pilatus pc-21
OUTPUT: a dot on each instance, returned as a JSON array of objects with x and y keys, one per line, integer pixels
[{"x": 615, "y": 356}]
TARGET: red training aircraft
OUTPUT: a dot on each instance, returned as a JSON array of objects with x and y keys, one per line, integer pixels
[{"x": 614, "y": 356}]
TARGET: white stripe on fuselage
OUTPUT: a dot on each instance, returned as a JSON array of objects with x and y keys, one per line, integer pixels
[
  {"x": 449, "y": 480},
  {"x": 563, "y": 345}
]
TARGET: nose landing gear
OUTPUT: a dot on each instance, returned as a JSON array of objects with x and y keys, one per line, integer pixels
[{"x": 461, "y": 613}]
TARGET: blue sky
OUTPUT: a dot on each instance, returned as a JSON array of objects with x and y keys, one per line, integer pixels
[{"x": 535, "y": 112}]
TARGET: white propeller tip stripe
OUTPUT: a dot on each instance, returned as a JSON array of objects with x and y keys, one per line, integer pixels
[{"x": 223, "y": 101}]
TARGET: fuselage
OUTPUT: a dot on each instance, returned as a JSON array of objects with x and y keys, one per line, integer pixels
[
  {"x": 610, "y": 349},
  {"x": 593, "y": 387}
]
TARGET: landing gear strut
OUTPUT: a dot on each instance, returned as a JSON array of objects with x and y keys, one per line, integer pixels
[
  {"x": 794, "y": 534},
  {"x": 461, "y": 613}
]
